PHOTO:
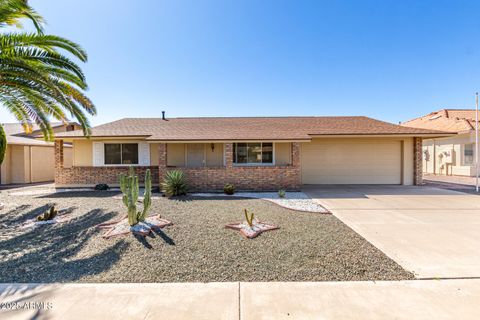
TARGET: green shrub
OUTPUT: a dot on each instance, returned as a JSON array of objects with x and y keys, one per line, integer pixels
[
  {"x": 3, "y": 143},
  {"x": 174, "y": 183},
  {"x": 281, "y": 193},
  {"x": 229, "y": 189},
  {"x": 101, "y": 187}
]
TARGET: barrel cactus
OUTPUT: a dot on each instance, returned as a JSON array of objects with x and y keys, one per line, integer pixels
[{"x": 130, "y": 190}]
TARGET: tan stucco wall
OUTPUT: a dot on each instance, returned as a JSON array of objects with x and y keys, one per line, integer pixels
[
  {"x": 67, "y": 157},
  {"x": 283, "y": 154},
  {"x": 455, "y": 145},
  {"x": 154, "y": 154},
  {"x": 176, "y": 154},
  {"x": 215, "y": 157},
  {"x": 82, "y": 153}
]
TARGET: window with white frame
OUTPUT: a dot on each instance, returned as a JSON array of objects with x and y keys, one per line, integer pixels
[
  {"x": 468, "y": 155},
  {"x": 121, "y": 153},
  {"x": 253, "y": 153}
]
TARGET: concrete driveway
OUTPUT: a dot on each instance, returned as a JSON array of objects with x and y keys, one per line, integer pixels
[{"x": 429, "y": 231}]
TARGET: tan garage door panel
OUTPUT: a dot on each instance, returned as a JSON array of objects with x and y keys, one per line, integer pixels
[
  {"x": 349, "y": 161},
  {"x": 43, "y": 164}
]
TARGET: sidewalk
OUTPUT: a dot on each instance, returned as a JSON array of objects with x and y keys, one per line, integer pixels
[{"x": 416, "y": 299}]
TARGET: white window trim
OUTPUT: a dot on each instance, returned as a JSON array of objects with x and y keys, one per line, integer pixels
[
  {"x": 255, "y": 164},
  {"x": 139, "y": 164}
]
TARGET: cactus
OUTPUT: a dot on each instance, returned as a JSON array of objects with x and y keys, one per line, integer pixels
[
  {"x": 281, "y": 193},
  {"x": 249, "y": 218},
  {"x": 130, "y": 190},
  {"x": 50, "y": 214},
  {"x": 147, "y": 197}
]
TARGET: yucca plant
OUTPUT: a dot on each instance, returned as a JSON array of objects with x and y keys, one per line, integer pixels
[
  {"x": 37, "y": 81},
  {"x": 174, "y": 183},
  {"x": 130, "y": 189}
]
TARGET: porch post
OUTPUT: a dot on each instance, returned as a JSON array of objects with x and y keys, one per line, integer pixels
[
  {"x": 58, "y": 149},
  {"x": 417, "y": 161},
  {"x": 229, "y": 155},
  {"x": 162, "y": 161}
]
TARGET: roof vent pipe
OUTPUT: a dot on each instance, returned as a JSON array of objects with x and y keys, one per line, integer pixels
[{"x": 163, "y": 115}]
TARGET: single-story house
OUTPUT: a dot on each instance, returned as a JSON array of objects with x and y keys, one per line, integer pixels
[
  {"x": 30, "y": 160},
  {"x": 253, "y": 153},
  {"x": 453, "y": 154}
]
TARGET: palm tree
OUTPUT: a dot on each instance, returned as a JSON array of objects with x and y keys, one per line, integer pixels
[{"x": 37, "y": 80}]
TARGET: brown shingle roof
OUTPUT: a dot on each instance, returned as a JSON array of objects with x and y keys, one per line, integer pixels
[
  {"x": 451, "y": 120},
  {"x": 16, "y": 134},
  {"x": 251, "y": 128}
]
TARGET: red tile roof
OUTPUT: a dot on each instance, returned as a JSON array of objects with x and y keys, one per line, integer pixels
[
  {"x": 246, "y": 128},
  {"x": 452, "y": 120}
]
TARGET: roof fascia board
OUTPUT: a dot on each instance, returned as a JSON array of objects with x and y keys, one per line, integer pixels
[{"x": 393, "y": 135}]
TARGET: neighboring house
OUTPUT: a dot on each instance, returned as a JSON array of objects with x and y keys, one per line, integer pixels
[
  {"x": 29, "y": 159},
  {"x": 452, "y": 155},
  {"x": 252, "y": 153}
]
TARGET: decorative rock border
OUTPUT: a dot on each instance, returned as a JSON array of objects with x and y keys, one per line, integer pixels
[
  {"x": 297, "y": 201},
  {"x": 251, "y": 232},
  {"x": 121, "y": 226}
]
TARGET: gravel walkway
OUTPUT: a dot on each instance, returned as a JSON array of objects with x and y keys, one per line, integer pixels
[
  {"x": 197, "y": 248},
  {"x": 298, "y": 201}
]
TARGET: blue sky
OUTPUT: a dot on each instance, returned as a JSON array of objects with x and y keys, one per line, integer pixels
[{"x": 391, "y": 60}]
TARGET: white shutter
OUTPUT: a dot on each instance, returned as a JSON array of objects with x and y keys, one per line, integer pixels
[
  {"x": 143, "y": 154},
  {"x": 98, "y": 154}
]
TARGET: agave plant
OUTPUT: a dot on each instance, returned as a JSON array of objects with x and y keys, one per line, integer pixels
[
  {"x": 130, "y": 190},
  {"x": 174, "y": 183},
  {"x": 37, "y": 81}
]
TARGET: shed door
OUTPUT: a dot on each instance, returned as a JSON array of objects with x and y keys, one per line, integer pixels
[{"x": 351, "y": 161}]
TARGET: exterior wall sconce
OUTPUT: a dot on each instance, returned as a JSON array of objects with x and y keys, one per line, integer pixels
[{"x": 212, "y": 146}]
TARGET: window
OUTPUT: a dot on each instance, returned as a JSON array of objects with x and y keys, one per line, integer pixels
[
  {"x": 468, "y": 154},
  {"x": 121, "y": 153},
  {"x": 253, "y": 153}
]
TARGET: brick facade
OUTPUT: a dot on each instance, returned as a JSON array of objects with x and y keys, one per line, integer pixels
[
  {"x": 199, "y": 179},
  {"x": 417, "y": 161},
  {"x": 243, "y": 177},
  {"x": 90, "y": 176}
]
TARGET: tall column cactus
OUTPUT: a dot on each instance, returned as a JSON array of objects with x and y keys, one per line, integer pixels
[
  {"x": 130, "y": 190},
  {"x": 147, "y": 197},
  {"x": 129, "y": 187}
]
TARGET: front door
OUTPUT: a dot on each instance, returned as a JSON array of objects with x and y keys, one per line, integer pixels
[{"x": 195, "y": 155}]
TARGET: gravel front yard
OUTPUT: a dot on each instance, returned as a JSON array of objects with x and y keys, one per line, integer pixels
[{"x": 197, "y": 248}]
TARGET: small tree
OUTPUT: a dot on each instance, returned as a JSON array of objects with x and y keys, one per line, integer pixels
[{"x": 130, "y": 190}]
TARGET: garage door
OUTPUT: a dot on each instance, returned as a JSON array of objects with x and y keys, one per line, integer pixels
[{"x": 351, "y": 161}]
